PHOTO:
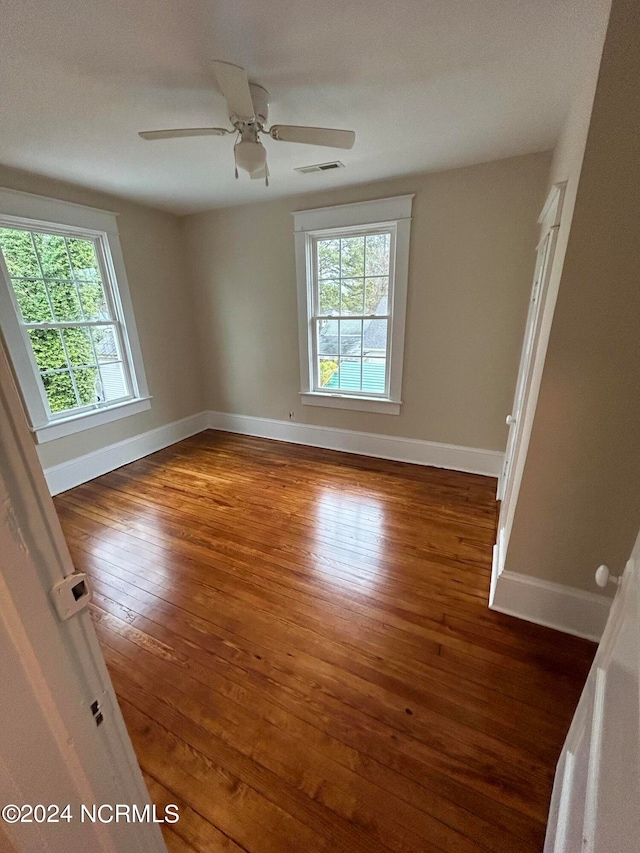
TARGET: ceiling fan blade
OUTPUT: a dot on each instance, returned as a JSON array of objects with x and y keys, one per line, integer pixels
[
  {"x": 313, "y": 135},
  {"x": 234, "y": 83},
  {"x": 187, "y": 131}
]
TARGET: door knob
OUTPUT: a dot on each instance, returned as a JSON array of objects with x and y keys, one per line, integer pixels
[
  {"x": 510, "y": 420},
  {"x": 604, "y": 576}
]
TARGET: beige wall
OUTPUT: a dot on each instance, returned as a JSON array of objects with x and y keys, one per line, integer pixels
[
  {"x": 579, "y": 502},
  {"x": 471, "y": 264},
  {"x": 155, "y": 261}
]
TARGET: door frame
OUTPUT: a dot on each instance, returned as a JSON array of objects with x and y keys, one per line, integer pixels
[
  {"x": 541, "y": 307},
  {"x": 56, "y": 670}
]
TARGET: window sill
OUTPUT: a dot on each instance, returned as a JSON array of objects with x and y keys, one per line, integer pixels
[
  {"x": 343, "y": 401},
  {"x": 88, "y": 420}
]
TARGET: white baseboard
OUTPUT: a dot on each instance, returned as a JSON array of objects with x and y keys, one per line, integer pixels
[
  {"x": 454, "y": 457},
  {"x": 76, "y": 471},
  {"x": 553, "y": 605}
]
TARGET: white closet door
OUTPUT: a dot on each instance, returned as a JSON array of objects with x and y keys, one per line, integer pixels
[{"x": 595, "y": 806}]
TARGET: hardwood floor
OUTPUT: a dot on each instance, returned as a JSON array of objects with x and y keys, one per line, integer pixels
[{"x": 300, "y": 643}]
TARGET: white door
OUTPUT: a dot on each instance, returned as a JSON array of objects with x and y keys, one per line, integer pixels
[
  {"x": 595, "y": 807},
  {"x": 62, "y": 736},
  {"x": 513, "y": 419},
  {"x": 518, "y": 422}
]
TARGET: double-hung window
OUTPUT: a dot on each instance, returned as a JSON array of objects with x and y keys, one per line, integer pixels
[
  {"x": 352, "y": 266},
  {"x": 66, "y": 316}
]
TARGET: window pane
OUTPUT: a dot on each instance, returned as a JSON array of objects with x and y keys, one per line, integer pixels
[
  {"x": 327, "y": 372},
  {"x": 328, "y": 258},
  {"x": 377, "y": 254},
  {"x": 87, "y": 384},
  {"x": 374, "y": 374},
  {"x": 377, "y": 295},
  {"x": 47, "y": 348},
  {"x": 350, "y": 337},
  {"x": 19, "y": 254},
  {"x": 375, "y": 337},
  {"x": 113, "y": 383},
  {"x": 94, "y": 304},
  {"x": 64, "y": 299},
  {"x": 352, "y": 296},
  {"x": 87, "y": 276},
  {"x": 53, "y": 255},
  {"x": 105, "y": 340},
  {"x": 112, "y": 373},
  {"x": 329, "y": 292},
  {"x": 350, "y": 374},
  {"x": 352, "y": 257},
  {"x": 78, "y": 344},
  {"x": 327, "y": 332},
  {"x": 32, "y": 299},
  {"x": 83, "y": 259},
  {"x": 60, "y": 391}
]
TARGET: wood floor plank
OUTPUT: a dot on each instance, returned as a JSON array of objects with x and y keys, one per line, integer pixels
[
  {"x": 486, "y": 770},
  {"x": 509, "y": 685},
  {"x": 147, "y": 532},
  {"x": 469, "y": 707},
  {"x": 301, "y": 646},
  {"x": 193, "y": 829},
  {"x": 215, "y": 791},
  {"x": 323, "y": 799},
  {"x": 290, "y": 736}
]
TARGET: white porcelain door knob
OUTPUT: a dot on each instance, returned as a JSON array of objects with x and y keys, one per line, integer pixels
[
  {"x": 510, "y": 420},
  {"x": 604, "y": 576}
]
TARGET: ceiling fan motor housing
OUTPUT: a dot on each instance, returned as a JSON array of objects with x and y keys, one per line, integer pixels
[{"x": 260, "y": 99}]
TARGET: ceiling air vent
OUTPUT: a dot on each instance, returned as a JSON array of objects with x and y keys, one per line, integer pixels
[{"x": 320, "y": 167}]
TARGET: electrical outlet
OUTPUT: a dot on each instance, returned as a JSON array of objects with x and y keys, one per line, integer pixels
[{"x": 292, "y": 416}]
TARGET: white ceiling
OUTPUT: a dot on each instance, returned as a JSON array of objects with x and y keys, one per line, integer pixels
[{"x": 426, "y": 85}]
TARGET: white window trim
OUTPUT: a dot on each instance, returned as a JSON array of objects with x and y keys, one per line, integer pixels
[
  {"x": 394, "y": 213},
  {"x": 34, "y": 211}
]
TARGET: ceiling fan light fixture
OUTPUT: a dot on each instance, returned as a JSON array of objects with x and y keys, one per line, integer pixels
[{"x": 250, "y": 156}]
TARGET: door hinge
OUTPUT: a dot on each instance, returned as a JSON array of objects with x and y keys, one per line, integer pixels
[{"x": 97, "y": 713}]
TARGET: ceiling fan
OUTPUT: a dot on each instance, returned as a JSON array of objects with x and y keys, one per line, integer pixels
[{"x": 248, "y": 106}]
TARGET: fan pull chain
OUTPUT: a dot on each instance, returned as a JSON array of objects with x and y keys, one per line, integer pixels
[{"x": 235, "y": 156}]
